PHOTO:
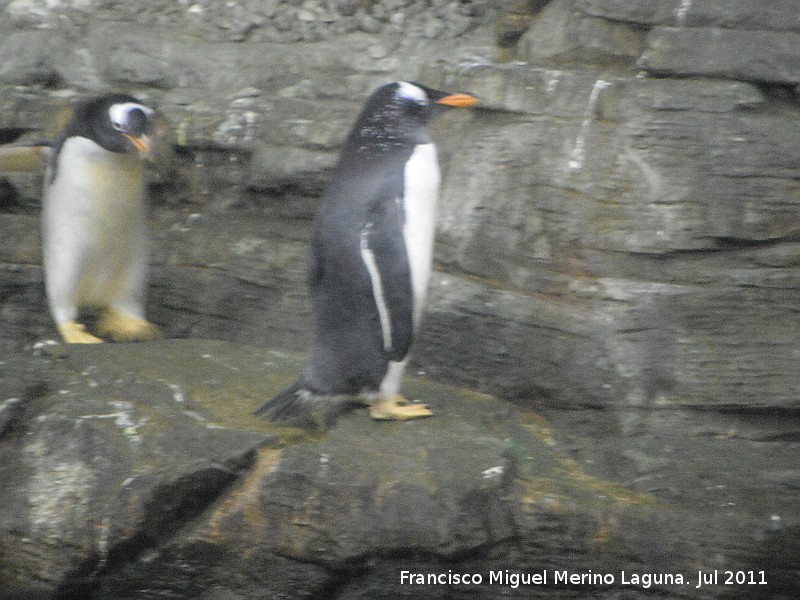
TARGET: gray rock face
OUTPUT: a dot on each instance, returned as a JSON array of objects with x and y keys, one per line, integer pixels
[
  {"x": 653, "y": 177},
  {"x": 774, "y": 15},
  {"x": 762, "y": 56},
  {"x": 618, "y": 237},
  {"x": 138, "y": 472}
]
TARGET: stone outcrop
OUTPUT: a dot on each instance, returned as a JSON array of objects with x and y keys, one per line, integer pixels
[
  {"x": 138, "y": 472},
  {"x": 618, "y": 231}
]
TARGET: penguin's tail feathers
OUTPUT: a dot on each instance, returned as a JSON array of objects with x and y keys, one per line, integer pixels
[
  {"x": 299, "y": 406},
  {"x": 285, "y": 405}
]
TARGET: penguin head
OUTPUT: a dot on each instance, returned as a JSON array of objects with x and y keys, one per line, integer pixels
[
  {"x": 397, "y": 114},
  {"x": 116, "y": 122}
]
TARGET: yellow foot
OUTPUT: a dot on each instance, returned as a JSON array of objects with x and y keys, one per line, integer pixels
[
  {"x": 397, "y": 408},
  {"x": 122, "y": 327},
  {"x": 73, "y": 332}
]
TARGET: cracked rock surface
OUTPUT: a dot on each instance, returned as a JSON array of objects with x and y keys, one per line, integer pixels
[{"x": 137, "y": 471}]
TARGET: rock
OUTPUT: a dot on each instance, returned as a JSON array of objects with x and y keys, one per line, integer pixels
[
  {"x": 368, "y": 23},
  {"x": 10, "y": 411},
  {"x": 347, "y": 8},
  {"x": 549, "y": 37},
  {"x": 432, "y": 28},
  {"x": 30, "y": 58},
  {"x": 515, "y": 20},
  {"x": 641, "y": 12},
  {"x": 377, "y": 51},
  {"x": 558, "y": 33},
  {"x": 86, "y": 479},
  {"x": 140, "y": 466},
  {"x": 130, "y": 55},
  {"x": 42, "y": 13},
  {"x": 776, "y": 15},
  {"x": 601, "y": 38},
  {"x": 278, "y": 168},
  {"x": 763, "y": 56}
]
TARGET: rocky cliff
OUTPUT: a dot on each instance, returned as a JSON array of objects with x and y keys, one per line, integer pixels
[
  {"x": 137, "y": 472},
  {"x": 618, "y": 237}
]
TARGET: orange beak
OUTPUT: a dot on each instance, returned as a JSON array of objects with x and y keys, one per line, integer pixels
[
  {"x": 141, "y": 143},
  {"x": 458, "y": 100}
]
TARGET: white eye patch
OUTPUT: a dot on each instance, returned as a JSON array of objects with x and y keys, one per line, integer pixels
[
  {"x": 409, "y": 91},
  {"x": 120, "y": 113}
]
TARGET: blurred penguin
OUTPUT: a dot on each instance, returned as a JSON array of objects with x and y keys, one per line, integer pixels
[{"x": 94, "y": 234}]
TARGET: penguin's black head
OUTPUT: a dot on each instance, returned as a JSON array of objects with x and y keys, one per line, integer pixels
[
  {"x": 397, "y": 114},
  {"x": 117, "y": 122}
]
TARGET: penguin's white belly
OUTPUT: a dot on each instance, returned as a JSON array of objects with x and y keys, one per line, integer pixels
[
  {"x": 93, "y": 224},
  {"x": 420, "y": 197}
]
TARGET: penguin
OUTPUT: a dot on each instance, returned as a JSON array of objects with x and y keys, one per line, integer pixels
[
  {"x": 370, "y": 260},
  {"x": 94, "y": 236}
]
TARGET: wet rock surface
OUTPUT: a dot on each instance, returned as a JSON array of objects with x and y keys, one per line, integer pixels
[
  {"x": 138, "y": 471},
  {"x": 617, "y": 250}
]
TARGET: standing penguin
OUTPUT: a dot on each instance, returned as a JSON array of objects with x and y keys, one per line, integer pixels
[
  {"x": 94, "y": 232},
  {"x": 370, "y": 262}
]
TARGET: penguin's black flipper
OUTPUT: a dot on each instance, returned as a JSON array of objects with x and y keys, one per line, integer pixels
[
  {"x": 384, "y": 246},
  {"x": 299, "y": 407}
]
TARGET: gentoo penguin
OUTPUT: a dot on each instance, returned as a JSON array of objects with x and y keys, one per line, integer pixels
[
  {"x": 93, "y": 220},
  {"x": 371, "y": 254}
]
